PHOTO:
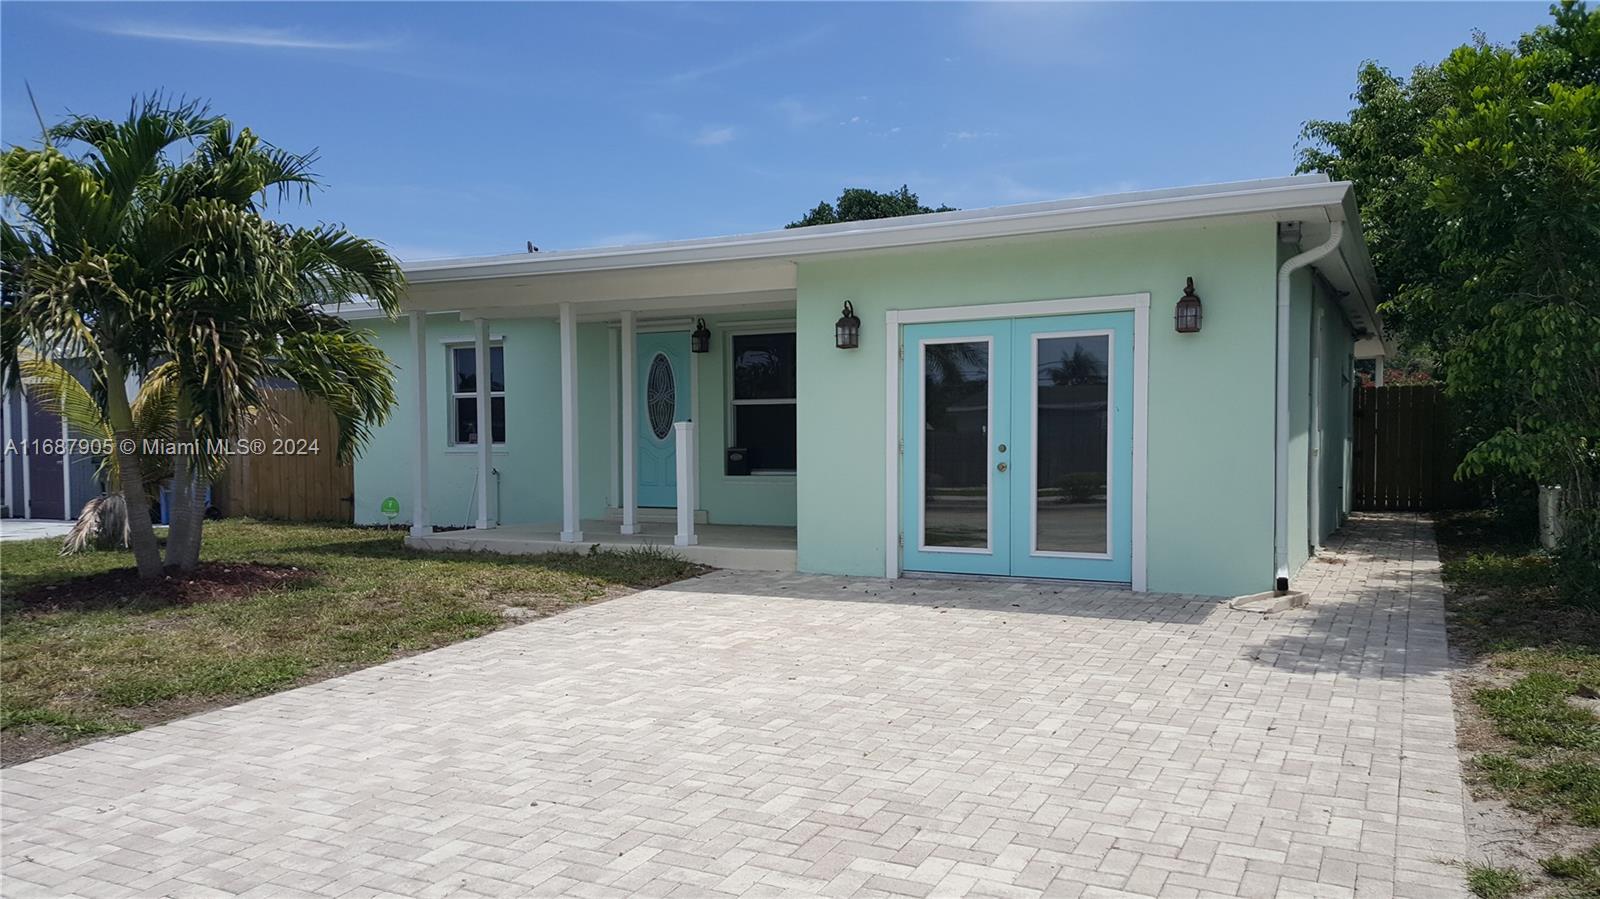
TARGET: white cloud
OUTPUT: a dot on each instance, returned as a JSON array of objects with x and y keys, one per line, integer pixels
[
  {"x": 243, "y": 36},
  {"x": 713, "y": 136},
  {"x": 798, "y": 113},
  {"x": 747, "y": 57},
  {"x": 1039, "y": 34}
]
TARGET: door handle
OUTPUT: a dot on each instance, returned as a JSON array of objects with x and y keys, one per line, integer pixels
[{"x": 1001, "y": 467}]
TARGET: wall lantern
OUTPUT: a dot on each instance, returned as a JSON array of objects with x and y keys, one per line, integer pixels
[
  {"x": 700, "y": 340},
  {"x": 1187, "y": 316},
  {"x": 847, "y": 330}
]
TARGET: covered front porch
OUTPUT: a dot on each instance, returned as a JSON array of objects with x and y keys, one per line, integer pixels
[{"x": 643, "y": 391}]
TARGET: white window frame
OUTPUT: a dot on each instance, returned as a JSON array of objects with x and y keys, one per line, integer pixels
[
  {"x": 729, "y": 432},
  {"x": 451, "y": 395}
]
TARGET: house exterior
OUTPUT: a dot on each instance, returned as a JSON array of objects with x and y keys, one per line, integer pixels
[
  {"x": 1020, "y": 401},
  {"x": 44, "y": 476}
]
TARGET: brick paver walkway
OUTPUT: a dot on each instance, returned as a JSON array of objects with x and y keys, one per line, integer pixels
[{"x": 751, "y": 734}]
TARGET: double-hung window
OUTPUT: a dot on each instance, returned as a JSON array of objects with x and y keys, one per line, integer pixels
[
  {"x": 464, "y": 394},
  {"x": 763, "y": 405}
]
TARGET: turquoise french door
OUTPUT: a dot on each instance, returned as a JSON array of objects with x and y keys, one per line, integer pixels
[
  {"x": 661, "y": 370},
  {"x": 1018, "y": 453}
]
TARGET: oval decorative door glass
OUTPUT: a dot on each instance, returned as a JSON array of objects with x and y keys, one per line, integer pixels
[{"x": 661, "y": 396}]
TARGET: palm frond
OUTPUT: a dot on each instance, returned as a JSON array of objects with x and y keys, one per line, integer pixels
[
  {"x": 334, "y": 266},
  {"x": 126, "y": 153},
  {"x": 59, "y": 393},
  {"x": 103, "y": 522},
  {"x": 341, "y": 367}
]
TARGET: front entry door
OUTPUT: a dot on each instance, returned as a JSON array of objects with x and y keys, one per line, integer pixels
[
  {"x": 662, "y": 391},
  {"x": 1019, "y": 447}
]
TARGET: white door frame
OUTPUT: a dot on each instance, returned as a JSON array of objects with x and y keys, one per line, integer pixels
[{"x": 1137, "y": 303}]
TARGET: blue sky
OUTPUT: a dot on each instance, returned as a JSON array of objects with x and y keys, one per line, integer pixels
[{"x": 449, "y": 129}]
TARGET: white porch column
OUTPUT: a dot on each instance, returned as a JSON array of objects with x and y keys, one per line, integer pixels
[
  {"x": 688, "y": 488},
  {"x": 485, "y": 421},
  {"x": 421, "y": 521},
  {"x": 569, "y": 426},
  {"x": 1377, "y": 372},
  {"x": 630, "y": 475}
]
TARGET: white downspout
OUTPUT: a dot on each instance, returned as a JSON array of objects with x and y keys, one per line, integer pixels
[{"x": 1280, "y": 456}]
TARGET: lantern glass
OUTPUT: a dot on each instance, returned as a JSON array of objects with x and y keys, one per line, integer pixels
[
  {"x": 847, "y": 330},
  {"x": 1186, "y": 318},
  {"x": 700, "y": 340}
]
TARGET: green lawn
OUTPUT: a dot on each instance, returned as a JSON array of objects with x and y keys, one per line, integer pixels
[
  {"x": 1535, "y": 651},
  {"x": 80, "y": 663}
]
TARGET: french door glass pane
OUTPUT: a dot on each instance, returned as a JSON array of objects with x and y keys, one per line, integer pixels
[
  {"x": 955, "y": 390},
  {"x": 1072, "y": 393}
]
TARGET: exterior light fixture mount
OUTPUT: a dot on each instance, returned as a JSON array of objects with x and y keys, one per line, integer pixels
[
  {"x": 700, "y": 340},
  {"x": 1186, "y": 318},
  {"x": 847, "y": 330}
]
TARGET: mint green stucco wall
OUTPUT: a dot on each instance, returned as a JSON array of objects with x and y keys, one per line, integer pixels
[
  {"x": 1300, "y": 308},
  {"x": 1210, "y": 446},
  {"x": 1327, "y": 473},
  {"x": 530, "y": 462},
  {"x": 1333, "y": 466}
]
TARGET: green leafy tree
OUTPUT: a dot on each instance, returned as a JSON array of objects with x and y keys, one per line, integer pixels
[
  {"x": 1479, "y": 181},
  {"x": 859, "y": 204},
  {"x": 135, "y": 256},
  {"x": 1515, "y": 159}
]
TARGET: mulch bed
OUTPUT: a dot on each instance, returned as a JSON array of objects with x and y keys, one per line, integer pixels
[{"x": 210, "y": 582}]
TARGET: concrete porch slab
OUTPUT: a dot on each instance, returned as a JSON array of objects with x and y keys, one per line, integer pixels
[{"x": 737, "y": 547}]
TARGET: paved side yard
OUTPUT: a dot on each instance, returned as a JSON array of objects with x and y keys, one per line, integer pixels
[{"x": 763, "y": 734}]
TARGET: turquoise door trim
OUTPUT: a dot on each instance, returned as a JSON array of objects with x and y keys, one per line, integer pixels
[
  {"x": 969, "y": 530},
  {"x": 976, "y": 480},
  {"x": 1108, "y": 383},
  {"x": 667, "y": 385}
]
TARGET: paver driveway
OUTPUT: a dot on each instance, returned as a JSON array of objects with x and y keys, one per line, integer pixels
[{"x": 764, "y": 734}]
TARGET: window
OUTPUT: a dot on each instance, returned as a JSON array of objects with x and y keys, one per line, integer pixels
[
  {"x": 762, "y": 420},
  {"x": 464, "y": 394}
]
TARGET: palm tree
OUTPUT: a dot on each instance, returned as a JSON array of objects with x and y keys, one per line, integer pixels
[
  {"x": 85, "y": 267},
  {"x": 192, "y": 276},
  {"x": 252, "y": 313}
]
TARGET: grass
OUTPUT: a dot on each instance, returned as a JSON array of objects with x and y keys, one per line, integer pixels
[
  {"x": 1489, "y": 882},
  {"x": 1581, "y": 869},
  {"x": 1539, "y": 651},
  {"x": 358, "y": 597}
]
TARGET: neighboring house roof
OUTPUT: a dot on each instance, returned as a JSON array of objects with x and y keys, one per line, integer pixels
[{"x": 759, "y": 263}]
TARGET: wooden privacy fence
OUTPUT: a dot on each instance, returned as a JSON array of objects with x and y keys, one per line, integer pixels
[
  {"x": 286, "y": 479},
  {"x": 1405, "y": 450}
]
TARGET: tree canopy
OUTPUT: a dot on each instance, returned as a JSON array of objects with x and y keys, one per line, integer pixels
[
  {"x": 859, "y": 204},
  {"x": 1479, "y": 184}
]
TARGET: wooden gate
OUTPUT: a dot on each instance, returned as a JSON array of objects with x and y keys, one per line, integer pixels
[
  {"x": 282, "y": 482},
  {"x": 1405, "y": 450}
]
